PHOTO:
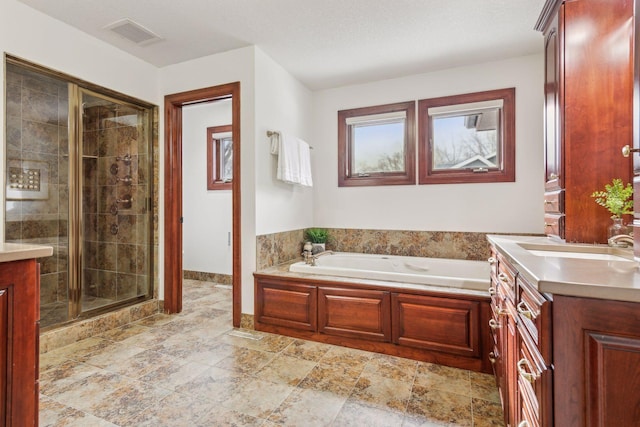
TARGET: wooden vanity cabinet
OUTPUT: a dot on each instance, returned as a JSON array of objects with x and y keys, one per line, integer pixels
[
  {"x": 19, "y": 352},
  {"x": 588, "y": 110},
  {"x": 521, "y": 335},
  {"x": 597, "y": 358}
]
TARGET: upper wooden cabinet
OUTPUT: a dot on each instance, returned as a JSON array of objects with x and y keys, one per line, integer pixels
[{"x": 588, "y": 110}]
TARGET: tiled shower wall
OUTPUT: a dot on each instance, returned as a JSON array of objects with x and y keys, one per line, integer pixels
[
  {"x": 282, "y": 247},
  {"x": 116, "y": 232},
  {"x": 37, "y": 114}
]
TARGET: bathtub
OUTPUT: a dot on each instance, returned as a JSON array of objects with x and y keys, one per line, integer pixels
[{"x": 452, "y": 273}]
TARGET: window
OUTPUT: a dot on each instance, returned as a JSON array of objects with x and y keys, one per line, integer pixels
[
  {"x": 219, "y": 158},
  {"x": 467, "y": 138},
  {"x": 376, "y": 145}
]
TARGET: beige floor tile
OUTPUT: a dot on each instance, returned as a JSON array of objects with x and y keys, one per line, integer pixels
[
  {"x": 286, "y": 369},
  {"x": 395, "y": 368},
  {"x": 354, "y": 414},
  {"x": 53, "y": 413},
  {"x": 124, "y": 332},
  {"x": 245, "y": 360},
  {"x": 93, "y": 389},
  {"x": 173, "y": 376},
  {"x": 486, "y": 413},
  {"x": 250, "y": 398},
  {"x": 213, "y": 384},
  {"x": 128, "y": 401},
  {"x": 307, "y": 408},
  {"x": 483, "y": 386},
  {"x": 381, "y": 392},
  {"x": 62, "y": 377},
  {"x": 337, "y": 380},
  {"x": 443, "y": 378},
  {"x": 175, "y": 410},
  {"x": 224, "y": 417},
  {"x": 306, "y": 350},
  {"x": 440, "y": 406}
]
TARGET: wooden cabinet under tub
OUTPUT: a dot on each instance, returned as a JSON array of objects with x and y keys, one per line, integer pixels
[{"x": 450, "y": 328}]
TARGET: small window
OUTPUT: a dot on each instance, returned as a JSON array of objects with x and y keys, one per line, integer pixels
[
  {"x": 219, "y": 158},
  {"x": 376, "y": 145},
  {"x": 467, "y": 138}
]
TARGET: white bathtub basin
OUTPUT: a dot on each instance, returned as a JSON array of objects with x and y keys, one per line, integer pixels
[{"x": 453, "y": 273}]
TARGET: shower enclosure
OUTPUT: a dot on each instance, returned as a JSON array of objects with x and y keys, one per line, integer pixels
[{"x": 78, "y": 178}]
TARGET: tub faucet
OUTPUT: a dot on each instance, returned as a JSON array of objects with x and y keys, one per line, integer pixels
[
  {"x": 621, "y": 240},
  {"x": 313, "y": 258}
]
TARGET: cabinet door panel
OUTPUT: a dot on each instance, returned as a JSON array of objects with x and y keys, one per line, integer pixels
[
  {"x": 613, "y": 369},
  {"x": 441, "y": 324},
  {"x": 354, "y": 313},
  {"x": 288, "y": 305},
  {"x": 596, "y": 352}
]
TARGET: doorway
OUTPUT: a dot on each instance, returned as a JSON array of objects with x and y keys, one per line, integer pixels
[{"x": 173, "y": 232}]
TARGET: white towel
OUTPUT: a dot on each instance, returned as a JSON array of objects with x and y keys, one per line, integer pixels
[
  {"x": 294, "y": 159},
  {"x": 305, "y": 164}
]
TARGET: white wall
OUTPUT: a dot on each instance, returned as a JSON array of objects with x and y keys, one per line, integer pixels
[
  {"x": 501, "y": 207},
  {"x": 207, "y": 213},
  {"x": 31, "y": 35},
  {"x": 283, "y": 104}
]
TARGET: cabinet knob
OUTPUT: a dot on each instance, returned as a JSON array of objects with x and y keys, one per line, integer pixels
[
  {"x": 553, "y": 176},
  {"x": 492, "y": 291},
  {"x": 492, "y": 357},
  {"x": 626, "y": 150},
  {"x": 523, "y": 423},
  {"x": 491, "y": 260},
  {"x": 503, "y": 277}
]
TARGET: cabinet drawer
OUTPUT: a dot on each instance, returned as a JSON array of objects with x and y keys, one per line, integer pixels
[
  {"x": 534, "y": 381},
  {"x": 507, "y": 277},
  {"x": 554, "y": 202},
  {"x": 354, "y": 313},
  {"x": 534, "y": 314},
  {"x": 554, "y": 225}
]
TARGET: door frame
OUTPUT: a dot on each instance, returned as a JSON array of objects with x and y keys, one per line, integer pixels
[{"x": 173, "y": 192}]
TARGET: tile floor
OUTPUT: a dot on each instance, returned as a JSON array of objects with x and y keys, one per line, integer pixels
[{"x": 193, "y": 369}]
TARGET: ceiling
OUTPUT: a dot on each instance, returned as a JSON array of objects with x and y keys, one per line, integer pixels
[{"x": 323, "y": 43}]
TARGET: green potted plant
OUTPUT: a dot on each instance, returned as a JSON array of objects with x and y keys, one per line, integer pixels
[
  {"x": 617, "y": 199},
  {"x": 318, "y": 238}
]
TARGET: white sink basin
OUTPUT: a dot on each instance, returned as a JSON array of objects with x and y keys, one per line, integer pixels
[{"x": 579, "y": 255}]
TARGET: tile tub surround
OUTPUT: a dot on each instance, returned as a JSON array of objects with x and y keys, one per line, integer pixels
[
  {"x": 194, "y": 369},
  {"x": 278, "y": 248}
]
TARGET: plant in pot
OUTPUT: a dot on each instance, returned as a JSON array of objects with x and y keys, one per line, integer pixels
[
  {"x": 617, "y": 199},
  {"x": 318, "y": 238}
]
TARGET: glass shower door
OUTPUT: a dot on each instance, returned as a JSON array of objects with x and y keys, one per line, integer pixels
[{"x": 113, "y": 159}]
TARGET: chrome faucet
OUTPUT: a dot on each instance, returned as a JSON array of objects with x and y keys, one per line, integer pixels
[{"x": 621, "y": 240}]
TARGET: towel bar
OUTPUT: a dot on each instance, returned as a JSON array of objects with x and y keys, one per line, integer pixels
[{"x": 271, "y": 133}]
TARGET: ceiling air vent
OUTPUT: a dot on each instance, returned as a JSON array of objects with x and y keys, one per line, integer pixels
[{"x": 133, "y": 31}]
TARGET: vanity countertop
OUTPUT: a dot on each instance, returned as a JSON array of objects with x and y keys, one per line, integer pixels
[
  {"x": 590, "y": 278},
  {"x": 20, "y": 251}
]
